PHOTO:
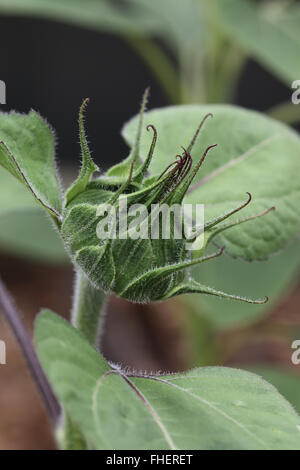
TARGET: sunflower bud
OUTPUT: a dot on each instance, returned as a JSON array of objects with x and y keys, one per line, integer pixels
[{"x": 129, "y": 232}]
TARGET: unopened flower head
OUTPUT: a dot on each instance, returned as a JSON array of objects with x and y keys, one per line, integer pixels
[{"x": 132, "y": 234}]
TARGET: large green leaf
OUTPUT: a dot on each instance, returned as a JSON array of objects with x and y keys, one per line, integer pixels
[
  {"x": 27, "y": 152},
  {"x": 254, "y": 153},
  {"x": 273, "y": 277},
  {"x": 25, "y": 228},
  {"x": 206, "y": 408},
  {"x": 269, "y": 33}
]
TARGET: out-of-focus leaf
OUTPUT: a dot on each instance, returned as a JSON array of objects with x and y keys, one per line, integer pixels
[
  {"x": 126, "y": 17},
  {"x": 286, "y": 382},
  {"x": 200, "y": 333},
  {"x": 181, "y": 26},
  {"x": 31, "y": 235},
  {"x": 104, "y": 15},
  {"x": 254, "y": 153},
  {"x": 267, "y": 33},
  {"x": 25, "y": 229},
  {"x": 273, "y": 277},
  {"x": 205, "y": 408},
  {"x": 27, "y": 152}
]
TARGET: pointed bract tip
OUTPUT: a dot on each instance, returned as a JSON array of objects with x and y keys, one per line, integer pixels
[
  {"x": 153, "y": 128},
  {"x": 261, "y": 302},
  {"x": 206, "y": 152},
  {"x": 83, "y": 105},
  {"x": 211, "y": 146},
  {"x": 267, "y": 211},
  {"x": 193, "y": 141},
  {"x": 85, "y": 102},
  {"x": 186, "y": 153},
  {"x": 222, "y": 249},
  {"x": 208, "y": 115},
  {"x": 250, "y": 196},
  {"x": 247, "y": 202},
  {"x": 146, "y": 95},
  {"x": 220, "y": 252}
]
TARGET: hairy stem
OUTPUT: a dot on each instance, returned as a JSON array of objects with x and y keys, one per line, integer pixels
[
  {"x": 87, "y": 316},
  {"x": 88, "y": 307},
  {"x": 15, "y": 322}
]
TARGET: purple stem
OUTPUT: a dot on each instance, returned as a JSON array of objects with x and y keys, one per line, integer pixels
[{"x": 15, "y": 322}]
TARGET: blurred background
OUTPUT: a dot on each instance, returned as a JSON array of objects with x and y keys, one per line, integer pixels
[{"x": 54, "y": 54}]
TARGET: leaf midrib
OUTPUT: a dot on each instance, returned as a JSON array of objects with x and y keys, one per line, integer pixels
[{"x": 141, "y": 396}]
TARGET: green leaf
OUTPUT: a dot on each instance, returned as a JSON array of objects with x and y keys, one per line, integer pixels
[
  {"x": 25, "y": 228},
  {"x": 286, "y": 381},
  {"x": 254, "y": 153},
  {"x": 273, "y": 278},
  {"x": 27, "y": 152},
  {"x": 269, "y": 33},
  {"x": 206, "y": 408},
  {"x": 31, "y": 235}
]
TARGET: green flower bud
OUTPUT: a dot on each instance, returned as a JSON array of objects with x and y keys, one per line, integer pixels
[{"x": 115, "y": 226}]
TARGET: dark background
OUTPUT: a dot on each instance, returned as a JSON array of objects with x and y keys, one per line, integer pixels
[{"x": 52, "y": 67}]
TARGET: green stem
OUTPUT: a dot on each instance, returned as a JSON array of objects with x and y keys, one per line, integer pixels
[
  {"x": 159, "y": 64},
  {"x": 231, "y": 63},
  {"x": 88, "y": 304},
  {"x": 223, "y": 61},
  {"x": 87, "y": 316}
]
